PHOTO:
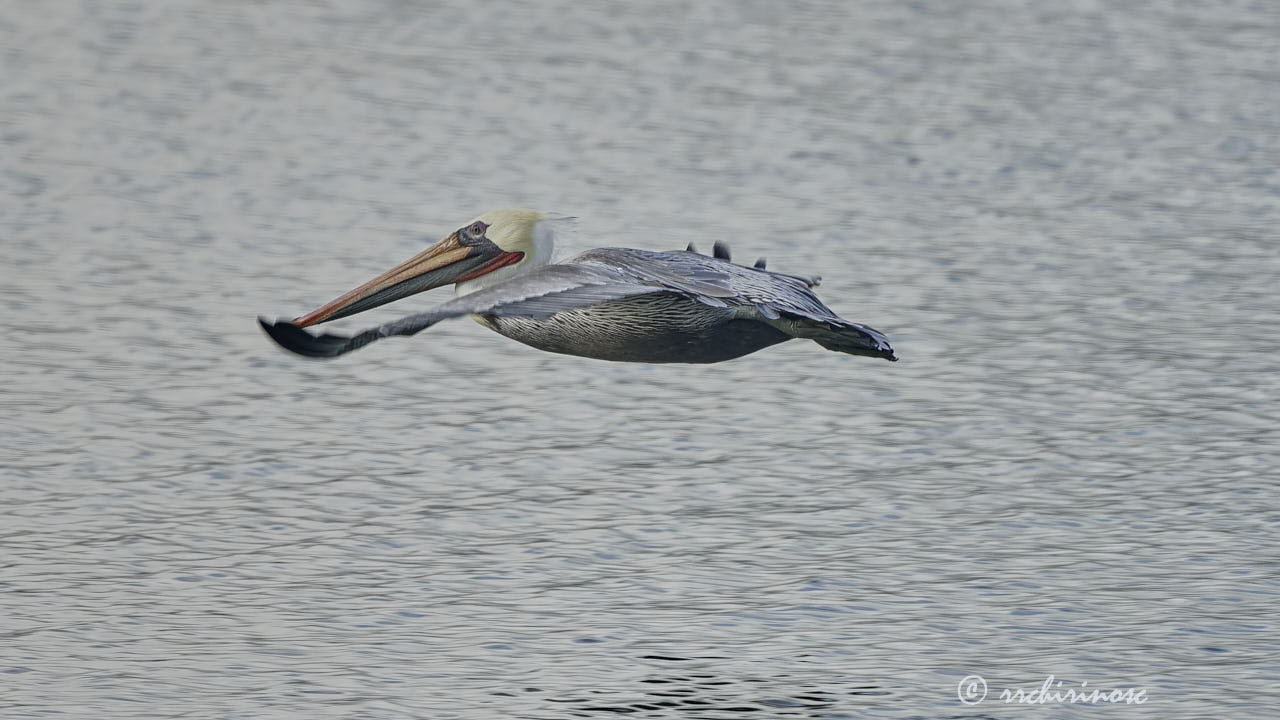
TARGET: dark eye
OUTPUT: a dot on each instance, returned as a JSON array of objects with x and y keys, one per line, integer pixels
[{"x": 477, "y": 229}]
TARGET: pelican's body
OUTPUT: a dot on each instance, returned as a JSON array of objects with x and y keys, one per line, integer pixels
[
  {"x": 608, "y": 303},
  {"x": 650, "y": 328}
]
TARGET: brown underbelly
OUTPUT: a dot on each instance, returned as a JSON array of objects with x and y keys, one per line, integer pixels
[{"x": 651, "y": 328}]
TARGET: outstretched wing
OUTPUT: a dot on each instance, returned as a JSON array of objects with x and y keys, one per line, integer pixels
[
  {"x": 539, "y": 293},
  {"x": 712, "y": 280}
]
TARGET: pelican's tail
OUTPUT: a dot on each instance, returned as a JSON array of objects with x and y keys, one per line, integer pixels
[{"x": 844, "y": 336}]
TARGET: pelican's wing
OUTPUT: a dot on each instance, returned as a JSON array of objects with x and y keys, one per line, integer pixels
[
  {"x": 711, "y": 280},
  {"x": 538, "y": 293}
]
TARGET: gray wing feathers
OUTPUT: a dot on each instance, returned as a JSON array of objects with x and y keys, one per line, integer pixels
[
  {"x": 548, "y": 290},
  {"x": 543, "y": 306},
  {"x": 708, "y": 284},
  {"x": 714, "y": 281}
]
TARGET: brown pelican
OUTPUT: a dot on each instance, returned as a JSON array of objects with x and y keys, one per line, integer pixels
[{"x": 607, "y": 303}]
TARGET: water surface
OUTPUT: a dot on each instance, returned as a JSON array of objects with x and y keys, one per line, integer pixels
[{"x": 1064, "y": 215}]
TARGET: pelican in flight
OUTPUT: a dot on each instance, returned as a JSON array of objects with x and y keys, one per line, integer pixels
[{"x": 607, "y": 303}]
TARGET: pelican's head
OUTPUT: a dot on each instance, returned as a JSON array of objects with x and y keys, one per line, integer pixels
[{"x": 490, "y": 248}]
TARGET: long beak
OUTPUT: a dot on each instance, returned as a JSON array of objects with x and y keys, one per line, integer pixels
[{"x": 445, "y": 262}]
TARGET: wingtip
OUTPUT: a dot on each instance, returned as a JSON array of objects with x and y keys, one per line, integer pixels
[{"x": 300, "y": 342}]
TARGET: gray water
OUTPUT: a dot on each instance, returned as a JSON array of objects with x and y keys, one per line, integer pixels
[{"x": 1063, "y": 214}]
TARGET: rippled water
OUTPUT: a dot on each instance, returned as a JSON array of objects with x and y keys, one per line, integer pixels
[{"x": 1064, "y": 215}]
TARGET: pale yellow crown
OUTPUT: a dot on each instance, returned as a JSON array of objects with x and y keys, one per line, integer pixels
[{"x": 511, "y": 229}]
